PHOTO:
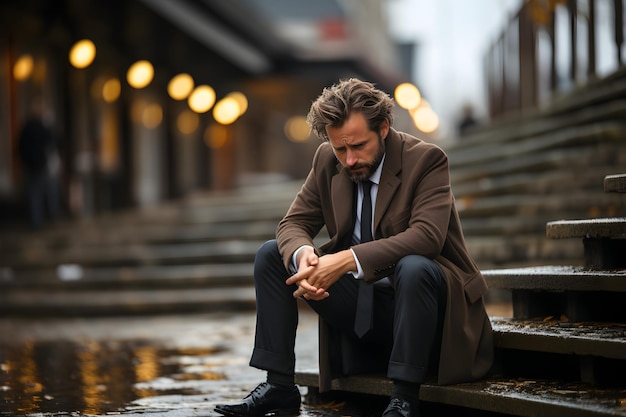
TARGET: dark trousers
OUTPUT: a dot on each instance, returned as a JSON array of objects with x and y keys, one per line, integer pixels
[
  {"x": 408, "y": 315},
  {"x": 43, "y": 196}
]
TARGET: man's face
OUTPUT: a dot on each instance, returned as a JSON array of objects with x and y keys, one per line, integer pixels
[{"x": 358, "y": 148}]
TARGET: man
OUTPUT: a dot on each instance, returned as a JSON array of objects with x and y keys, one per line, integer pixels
[
  {"x": 38, "y": 152},
  {"x": 426, "y": 308}
]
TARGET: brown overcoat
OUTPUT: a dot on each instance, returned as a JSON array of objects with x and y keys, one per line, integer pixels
[{"x": 414, "y": 214}]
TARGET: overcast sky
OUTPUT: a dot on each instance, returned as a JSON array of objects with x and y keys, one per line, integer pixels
[{"x": 453, "y": 36}]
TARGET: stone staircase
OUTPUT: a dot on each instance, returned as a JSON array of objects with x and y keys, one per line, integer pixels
[
  {"x": 191, "y": 255},
  {"x": 517, "y": 174},
  {"x": 563, "y": 353}
]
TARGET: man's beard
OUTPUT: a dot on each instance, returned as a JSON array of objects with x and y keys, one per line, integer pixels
[{"x": 370, "y": 167}]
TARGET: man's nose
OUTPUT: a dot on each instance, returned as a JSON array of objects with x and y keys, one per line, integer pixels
[{"x": 351, "y": 158}]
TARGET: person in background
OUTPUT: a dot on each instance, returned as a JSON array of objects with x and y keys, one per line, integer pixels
[
  {"x": 395, "y": 286},
  {"x": 467, "y": 121},
  {"x": 39, "y": 156}
]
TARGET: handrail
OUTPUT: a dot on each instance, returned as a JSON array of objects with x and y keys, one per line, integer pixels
[{"x": 550, "y": 47}]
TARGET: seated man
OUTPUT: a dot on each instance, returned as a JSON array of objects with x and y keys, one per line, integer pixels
[{"x": 395, "y": 283}]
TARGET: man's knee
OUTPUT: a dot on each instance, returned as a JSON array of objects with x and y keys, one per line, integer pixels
[
  {"x": 268, "y": 260},
  {"x": 269, "y": 248},
  {"x": 418, "y": 272}
]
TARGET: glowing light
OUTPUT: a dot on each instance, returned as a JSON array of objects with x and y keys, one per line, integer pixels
[
  {"x": 215, "y": 136},
  {"x": 187, "y": 122},
  {"x": 425, "y": 119},
  {"x": 23, "y": 68},
  {"x": 140, "y": 74},
  {"x": 226, "y": 111},
  {"x": 136, "y": 110},
  {"x": 82, "y": 53},
  {"x": 201, "y": 99},
  {"x": 180, "y": 86},
  {"x": 111, "y": 90},
  {"x": 407, "y": 96},
  {"x": 297, "y": 129},
  {"x": 241, "y": 100},
  {"x": 152, "y": 116}
]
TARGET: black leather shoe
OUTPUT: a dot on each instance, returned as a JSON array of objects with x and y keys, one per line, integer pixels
[
  {"x": 399, "y": 408},
  {"x": 265, "y": 400}
]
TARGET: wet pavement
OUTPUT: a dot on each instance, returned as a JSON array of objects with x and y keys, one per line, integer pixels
[{"x": 177, "y": 365}]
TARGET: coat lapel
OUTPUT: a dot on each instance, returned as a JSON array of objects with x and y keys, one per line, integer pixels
[
  {"x": 389, "y": 178},
  {"x": 342, "y": 190}
]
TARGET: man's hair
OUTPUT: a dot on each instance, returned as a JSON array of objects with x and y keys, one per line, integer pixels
[{"x": 336, "y": 103}]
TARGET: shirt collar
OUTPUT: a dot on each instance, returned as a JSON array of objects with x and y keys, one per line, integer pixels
[{"x": 375, "y": 178}]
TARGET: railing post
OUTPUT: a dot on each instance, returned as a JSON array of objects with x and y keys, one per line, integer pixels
[
  {"x": 591, "y": 43},
  {"x": 527, "y": 87},
  {"x": 618, "y": 8},
  {"x": 573, "y": 19},
  {"x": 552, "y": 34}
]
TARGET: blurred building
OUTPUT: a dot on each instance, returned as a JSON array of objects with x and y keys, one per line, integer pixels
[{"x": 135, "y": 146}]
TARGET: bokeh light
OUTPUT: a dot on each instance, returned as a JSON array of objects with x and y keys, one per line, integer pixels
[
  {"x": 202, "y": 99},
  {"x": 425, "y": 119},
  {"x": 82, "y": 53},
  {"x": 111, "y": 90},
  {"x": 136, "y": 110},
  {"x": 241, "y": 100},
  {"x": 152, "y": 115},
  {"x": 407, "y": 96},
  {"x": 23, "y": 67},
  {"x": 140, "y": 74},
  {"x": 216, "y": 135},
  {"x": 180, "y": 86},
  {"x": 226, "y": 111},
  {"x": 297, "y": 129},
  {"x": 187, "y": 122}
]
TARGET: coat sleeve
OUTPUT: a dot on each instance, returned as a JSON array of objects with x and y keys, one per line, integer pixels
[{"x": 304, "y": 219}]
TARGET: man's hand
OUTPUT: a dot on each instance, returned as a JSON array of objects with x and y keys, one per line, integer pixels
[{"x": 317, "y": 274}]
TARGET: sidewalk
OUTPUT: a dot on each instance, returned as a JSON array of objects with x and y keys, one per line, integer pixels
[{"x": 174, "y": 365}]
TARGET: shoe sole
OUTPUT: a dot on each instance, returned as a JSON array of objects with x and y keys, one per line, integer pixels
[{"x": 271, "y": 413}]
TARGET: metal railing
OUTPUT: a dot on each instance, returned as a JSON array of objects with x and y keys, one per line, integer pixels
[{"x": 549, "y": 48}]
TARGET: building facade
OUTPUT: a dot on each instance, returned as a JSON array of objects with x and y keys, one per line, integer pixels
[{"x": 127, "y": 143}]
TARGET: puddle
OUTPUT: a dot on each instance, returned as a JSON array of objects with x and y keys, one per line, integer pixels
[
  {"x": 135, "y": 377},
  {"x": 97, "y": 378}
]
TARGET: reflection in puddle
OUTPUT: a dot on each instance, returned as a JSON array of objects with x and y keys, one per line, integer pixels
[
  {"x": 137, "y": 377},
  {"x": 95, "y": 378}
]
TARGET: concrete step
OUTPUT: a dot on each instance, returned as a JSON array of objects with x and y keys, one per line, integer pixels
[
  {"x": 552, "y": 205},
  {"x": 609, "y": 228},
  {"x": 556, "y": 348},
  {"x": 502, "y": 251},
  {"x": 549, "y": 160},
  {"x": 227, "y": 251},
  {"x": 615, "y": 183},
  {"x": 604, "y": 239},
  {"x": 80, "y": 236},
  {"x": 74, "y": 276},
  {"x": 578, "y": 293},
  {"x": 507, "y": 396},
  {"x": 565, "y": 137},
  {"x": 111, "y": 302},
  {"x": 554, "y": 335},
  {"x": 532, "y": 183},
  {"x": 556, "y": 278}
]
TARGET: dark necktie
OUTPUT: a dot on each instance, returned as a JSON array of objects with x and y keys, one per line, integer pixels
[{"x": 365, "y": 300}]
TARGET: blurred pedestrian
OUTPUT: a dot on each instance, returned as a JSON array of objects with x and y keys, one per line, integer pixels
[
  {"x": 40, "y": 159},
  {"x": 395, "y": 286},
  {"x": 467, "y": 121}
]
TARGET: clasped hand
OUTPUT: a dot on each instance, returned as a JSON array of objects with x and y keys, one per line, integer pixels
[{"x": 317, "y": 274}]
